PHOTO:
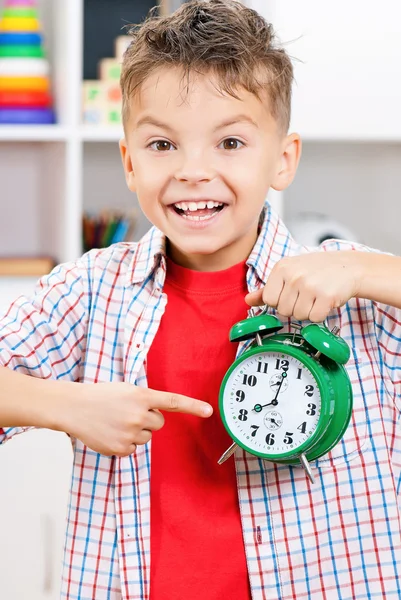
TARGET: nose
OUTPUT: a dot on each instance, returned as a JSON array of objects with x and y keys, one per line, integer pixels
[{"x": 194, "y": 168}]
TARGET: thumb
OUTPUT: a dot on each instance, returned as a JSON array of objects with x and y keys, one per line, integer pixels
[{"x": 255, "y": 298}]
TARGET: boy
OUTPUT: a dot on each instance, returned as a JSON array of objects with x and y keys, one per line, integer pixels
[{"x": 152, "y": 515}]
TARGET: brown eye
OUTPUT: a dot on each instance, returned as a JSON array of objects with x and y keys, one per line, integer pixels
[
  {"x": 231, "y": 144},
  {"x": 162, "y": 145}
]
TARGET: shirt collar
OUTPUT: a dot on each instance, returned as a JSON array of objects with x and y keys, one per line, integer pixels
[
  {"x": 273, "y": 243},
  {"x": 148, "y": 255}
]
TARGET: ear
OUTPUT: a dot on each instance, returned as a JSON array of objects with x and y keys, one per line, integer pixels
[
  {"x": 288, "y": 162},
  {"x": 127, "y": 164}
]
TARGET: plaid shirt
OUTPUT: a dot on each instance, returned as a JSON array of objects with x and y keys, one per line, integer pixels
[{"x": 94, "y": 321}]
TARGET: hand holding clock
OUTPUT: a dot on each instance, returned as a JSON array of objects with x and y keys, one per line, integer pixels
[
  {"x": 310, "y": 285},
  {"x": 318, "y": 413}
]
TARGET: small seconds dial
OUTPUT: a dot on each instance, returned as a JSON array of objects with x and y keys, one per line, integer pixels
[
  {"x": 272, "y": 403},
  {"x": 273, "y": 420}
]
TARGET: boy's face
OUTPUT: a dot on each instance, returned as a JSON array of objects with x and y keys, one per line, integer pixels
[{"x": 202, "y": 164}]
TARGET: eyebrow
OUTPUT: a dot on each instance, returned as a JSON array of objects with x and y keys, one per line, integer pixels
[
  {"x": 235, "y": 120},
  {"x": 148, "y": 120}
]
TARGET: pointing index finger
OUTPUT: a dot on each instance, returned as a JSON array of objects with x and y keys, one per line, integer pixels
[{"x": 179, "y": 403}]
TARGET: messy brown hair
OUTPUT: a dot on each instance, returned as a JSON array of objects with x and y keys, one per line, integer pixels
[{"x": 219, "y": 37}]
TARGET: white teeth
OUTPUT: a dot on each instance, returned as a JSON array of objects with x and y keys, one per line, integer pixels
[{"x": 194, "y": 206}]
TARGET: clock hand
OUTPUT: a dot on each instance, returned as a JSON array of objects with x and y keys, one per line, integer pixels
[
  {"x": 274, "y": 402},
  {"x": 283, "y": 376},
  {"x": 258, "y": 407}
]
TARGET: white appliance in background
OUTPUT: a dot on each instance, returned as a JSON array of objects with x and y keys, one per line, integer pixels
[{"x": 311, "y": 229}]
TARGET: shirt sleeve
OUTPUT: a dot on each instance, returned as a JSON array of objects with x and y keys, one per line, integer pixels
[
  {"x": 45, "y": 336},
  {"x": 388, "y": 334}
]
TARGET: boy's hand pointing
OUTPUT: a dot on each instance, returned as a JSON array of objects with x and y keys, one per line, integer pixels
[
  {"x": 311, "y": 285},
  {"x": 113, "y": 418}
]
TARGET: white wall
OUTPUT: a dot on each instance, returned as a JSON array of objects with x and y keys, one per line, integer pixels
[
  {"x": 346, "y": 106},
  {"x": 346, "y": 57}
]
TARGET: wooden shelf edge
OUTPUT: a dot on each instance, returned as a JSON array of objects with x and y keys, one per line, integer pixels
[{"x": 26, "y": 266}]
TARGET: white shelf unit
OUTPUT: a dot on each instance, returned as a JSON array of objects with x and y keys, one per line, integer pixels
[{"x": 42, "y": 168}]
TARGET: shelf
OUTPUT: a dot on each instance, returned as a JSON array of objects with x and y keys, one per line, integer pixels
[
  {"x": 58, "y": 133},
  {"x": 31, "y": 266},
  {"x": 96, "y": 133},
  {"x": 33, "y": 133}
]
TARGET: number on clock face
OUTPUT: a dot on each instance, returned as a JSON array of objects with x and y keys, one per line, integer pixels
[{"x": 272, "y": 403}]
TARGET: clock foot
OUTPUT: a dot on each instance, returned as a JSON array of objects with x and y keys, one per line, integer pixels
[
  {"x": 307, "y": 467},
  {"x": 228, "y": 453}
]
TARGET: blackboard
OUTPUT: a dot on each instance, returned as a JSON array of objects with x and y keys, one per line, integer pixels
[{"x": 104, "y": 20}]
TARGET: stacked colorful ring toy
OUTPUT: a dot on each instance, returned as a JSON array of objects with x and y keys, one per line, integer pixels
[
  {"x": 35, "y": 99},
  {"x": 20, "y": 38},
  {"x": 24, "y": 69}
]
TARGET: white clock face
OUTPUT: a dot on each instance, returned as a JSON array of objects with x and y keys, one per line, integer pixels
[{"x": 272, "y": 403}]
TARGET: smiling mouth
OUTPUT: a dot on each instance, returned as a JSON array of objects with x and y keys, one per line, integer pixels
[{"x": 198, "y": 211}]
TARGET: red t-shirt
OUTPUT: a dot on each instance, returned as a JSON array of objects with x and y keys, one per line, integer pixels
[{"x": 197, "y": 548}]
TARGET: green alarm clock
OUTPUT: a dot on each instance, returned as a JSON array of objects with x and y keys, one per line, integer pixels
[{"x": 287, "y": 398}]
